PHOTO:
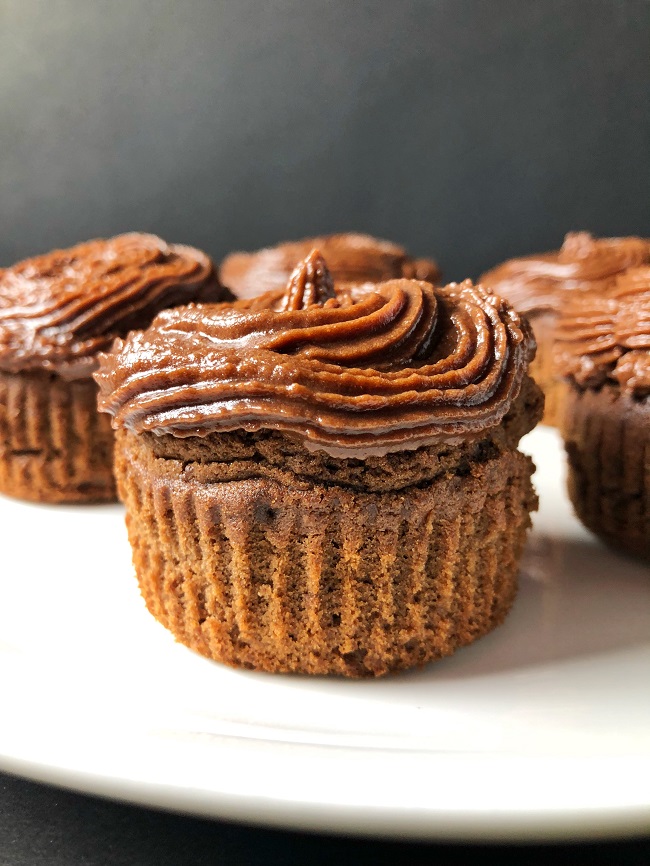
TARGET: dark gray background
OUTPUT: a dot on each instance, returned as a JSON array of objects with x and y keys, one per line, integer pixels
[{"x": 468, "y": 130}]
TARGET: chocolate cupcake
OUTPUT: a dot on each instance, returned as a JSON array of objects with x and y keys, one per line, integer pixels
[
  {"x": 603, "y": 348},
  {"x": 327, "y": 481},
  {"x": 538, "y": 285},
  {"x": 57, "y": 311},
  {"x": 351, "y": 258}
]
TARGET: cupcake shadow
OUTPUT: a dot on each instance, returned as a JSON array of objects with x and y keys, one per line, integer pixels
[{"x": 577, "y": 598}]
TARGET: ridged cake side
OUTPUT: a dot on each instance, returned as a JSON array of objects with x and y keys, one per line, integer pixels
[
  {"x": 607, "y": 438},
  {"x": 263, "y": 575},
  {"x": 54, "y": 445}
]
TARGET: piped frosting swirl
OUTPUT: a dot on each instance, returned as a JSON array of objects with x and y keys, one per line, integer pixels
[
  {"x": 59, "y": 309},
  {"x": 607, "y": 336},
  {"x": 351, "y": 258},
  {"x": 354, "y": 372},
  {"x": 584, "y": 263}
]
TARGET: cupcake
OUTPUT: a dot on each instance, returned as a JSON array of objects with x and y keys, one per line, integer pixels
[
  {"x": 537, "y": 286},
  {"x": 327, "y": 481},
  {"x": 603, "y": 349},
  {"x": 351, "y": 258},
  {"x": 57, "y": 311}
]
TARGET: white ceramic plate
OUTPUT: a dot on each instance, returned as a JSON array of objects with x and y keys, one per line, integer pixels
[{"x": 540, "y": 730}]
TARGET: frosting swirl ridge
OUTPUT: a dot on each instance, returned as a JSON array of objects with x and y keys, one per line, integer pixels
[
  {"x": 601, "y": 337},
  {"x": 59, "y": 309},
  {"x": 358, "y": 371},
  {"x": 536, "y": 283}
]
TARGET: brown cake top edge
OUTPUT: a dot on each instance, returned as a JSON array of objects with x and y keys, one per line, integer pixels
[
  {"x": 351, "y": 258},
  {"x": 59, "y": 309},
  {"x": 584, "y": 263},
  {"x": 606, "y": 338},
  {"x": 355, "y": 371}
]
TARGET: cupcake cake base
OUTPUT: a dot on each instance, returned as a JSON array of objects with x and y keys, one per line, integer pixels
[
  {"x": 54, "y": 445},
  {"x": 260, "y": 554},
  {"x": 607, "y": 439}
]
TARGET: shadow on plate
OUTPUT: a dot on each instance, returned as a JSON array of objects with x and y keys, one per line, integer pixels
[{"x": 577, "y": 598}]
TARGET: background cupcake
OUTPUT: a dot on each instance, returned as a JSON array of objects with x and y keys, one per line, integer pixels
[
  {"x": 327, "y": 481},
  {"x": 57, "y": 311},
  {"x": 603, "y": 348},
  {"x": 351, "y": 258},
  {"x": 538, "y": 285}
]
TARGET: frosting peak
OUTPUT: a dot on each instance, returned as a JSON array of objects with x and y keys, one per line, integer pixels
[
  {"x": 374, "y": 369},
  {"x": 309, "y": 284}
]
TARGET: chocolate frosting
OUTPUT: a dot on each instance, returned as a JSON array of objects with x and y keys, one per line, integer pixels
[
  {"x": 540, "y": 282},
  {"x": 351, "y": 258},
  {"x": 59, "y": 309},
  {"x": 607, "y": 337},
  {"x": 354, "y": 372}
]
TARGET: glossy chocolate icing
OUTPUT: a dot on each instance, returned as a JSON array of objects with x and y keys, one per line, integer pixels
[
  {"x": 540, "y": 282},
  {"x": 351, "y": 258},
  {"x": 607, "y": 336},
  {"x": 355, "y": 372},
  {"x": 59, "y": 309}
]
